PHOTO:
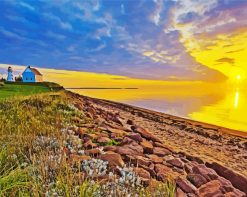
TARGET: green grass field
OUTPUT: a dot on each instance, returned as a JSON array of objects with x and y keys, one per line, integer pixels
[{"x": 10, "y": 90}]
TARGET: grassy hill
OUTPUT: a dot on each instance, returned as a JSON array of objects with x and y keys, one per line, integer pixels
[{"x": 10, "y": 89}]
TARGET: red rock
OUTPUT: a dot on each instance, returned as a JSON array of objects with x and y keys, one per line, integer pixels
[
  {"x": 230, "y": 194},
  {"x": 89, "y": 144},
  {"x": 210, "y": 189},
  {"x": 81, "y": 131},
  {"x": 189, "y": 167},
  {"x": 101, "y": 134},
  {"x": 180, "y": 193},
  {"x": 144, "y": 133},
  {"x": 226, "y": 185},
  {"x": 238, "y": 193},
  {"x": 79, "y": 106},
  {"x": 161, "y": 151},
  {"x": 93, "y": 152},
  {"x": 237, "y": 180},
  {"x": 161, "y": 171},
  {"x": 114, "y": 159},
  {"x": 110, "y": 148},
  {"x": 103, "y": 140},
  {"x": 143, "y": 174},
  {"x": 130, "y": 159},
  {"x": 208, "y": 173},
  {"x": 185, "y": 185},
  {"x": 150, "y": 169},
  {"x": 196, "y": 159},
  {"x": 92, "y": 136},
  {"x": 118, "y": 120},
  {"x": 118, "y": 132},
  {"x": 79, "y": 158},
  {"x": 126, "y": 140},
  {"x": 196, "y": 179},
  {"x": 234, "y": 194},
  {"x": 176, "y": 162},
  {"x": 130, "y": 149},
  {"x": 130, "y": 122},
  {"x": 161, "y": 145},
  {"x": 135, "y": 136},
  {"x": 147, "y": 147},
  {"x": 143, "y": 160},
  {"x": 155, "y": 158},
  {"x": 86, "y": 139}
]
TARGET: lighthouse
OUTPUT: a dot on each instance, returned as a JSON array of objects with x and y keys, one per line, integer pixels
[{"x": 10, "y": 74}]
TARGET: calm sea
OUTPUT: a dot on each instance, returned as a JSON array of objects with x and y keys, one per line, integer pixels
[{"x": 221, "y": 106}]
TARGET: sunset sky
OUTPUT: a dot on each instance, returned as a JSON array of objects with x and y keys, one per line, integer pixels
[{"x": 152, "y": 39}]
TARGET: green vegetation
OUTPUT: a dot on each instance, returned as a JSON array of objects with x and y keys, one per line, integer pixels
[
  {"x": 22, "y": 121},
  {"x": 11, "y": 90},
  {"x": 112, "y": 143}
]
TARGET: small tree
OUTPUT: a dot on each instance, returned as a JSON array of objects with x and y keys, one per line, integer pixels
[
  {"x": 2, "y": 80},
  {"x": 19, "y": 78}
]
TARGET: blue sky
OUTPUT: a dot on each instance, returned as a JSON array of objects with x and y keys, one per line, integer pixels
[{"x": 136, "y": 38}]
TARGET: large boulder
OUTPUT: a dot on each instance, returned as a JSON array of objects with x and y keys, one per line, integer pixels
[
  {"x": 78, "y": 158},
  {"x": 135, "y": 136},
  {"x": 162, "y": 172},
  {"x": 117, "y": 132},
  {"x": 149, "y": 168},
  {"x": 126, "y": 140},
  {"x": 89, "y": 144},
  {"x": 185, "y": 185},
  {"x": 93, "y": 152},
  {"x": 143, "y": 174},
  {"x": 146, "y": 134},
  {"x": 140, "y": 160},
  {"x": 212, "y": 188},
  {"x": 180, "y": 193},
  {"x": 196, "y": 179},
  {"x": 208, "y": 173},
  {"x": 130, "y": 149},
  {"x": 114, "y": 159},
  {"x": 103, "y": 140},
  {"x": 155, "y": 158},
  {"x": 176, "y": 162},
  {"x": 158, "y": 144},
  {"x": 110, "y": 148},
  {"x": 161, "y": 151},
  {"x": 237, "y": 180},
  {"x": 147, "y": 146}
]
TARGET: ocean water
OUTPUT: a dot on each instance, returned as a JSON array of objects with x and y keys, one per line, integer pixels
[{"x": 219, "y": 105}]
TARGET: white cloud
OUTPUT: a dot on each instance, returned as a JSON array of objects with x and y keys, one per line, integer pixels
[
  {"x": 155, "y": 16},
  {"x": 99, "y": 48},
  {"x": 27, "y": 6},
  {"x": 10, "y": 34},
  {"x": 122, "y": 9},
  {"x": 58, "y": 20},
  {"x": 55, "y": 35},
  {"x": 17, "y": 18}
]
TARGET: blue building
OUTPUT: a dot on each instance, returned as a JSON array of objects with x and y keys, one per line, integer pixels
[
  {"x": 10, "y": 74},
  {"x": 31, "y": 75}
]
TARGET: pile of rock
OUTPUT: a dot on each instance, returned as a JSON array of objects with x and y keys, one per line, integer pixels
[{"x": 122, "y": 142}]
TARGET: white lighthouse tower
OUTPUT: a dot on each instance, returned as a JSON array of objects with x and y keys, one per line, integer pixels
[{"x": 10, "y": 74}]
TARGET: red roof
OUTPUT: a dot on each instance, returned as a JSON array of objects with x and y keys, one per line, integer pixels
[{"x": 35, "y": 71}]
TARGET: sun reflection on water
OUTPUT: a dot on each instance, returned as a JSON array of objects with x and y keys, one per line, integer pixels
[{"x": 236, "y": 99}]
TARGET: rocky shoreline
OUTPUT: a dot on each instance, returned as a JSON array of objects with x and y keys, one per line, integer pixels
[{"x": 203, "y": 160}]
